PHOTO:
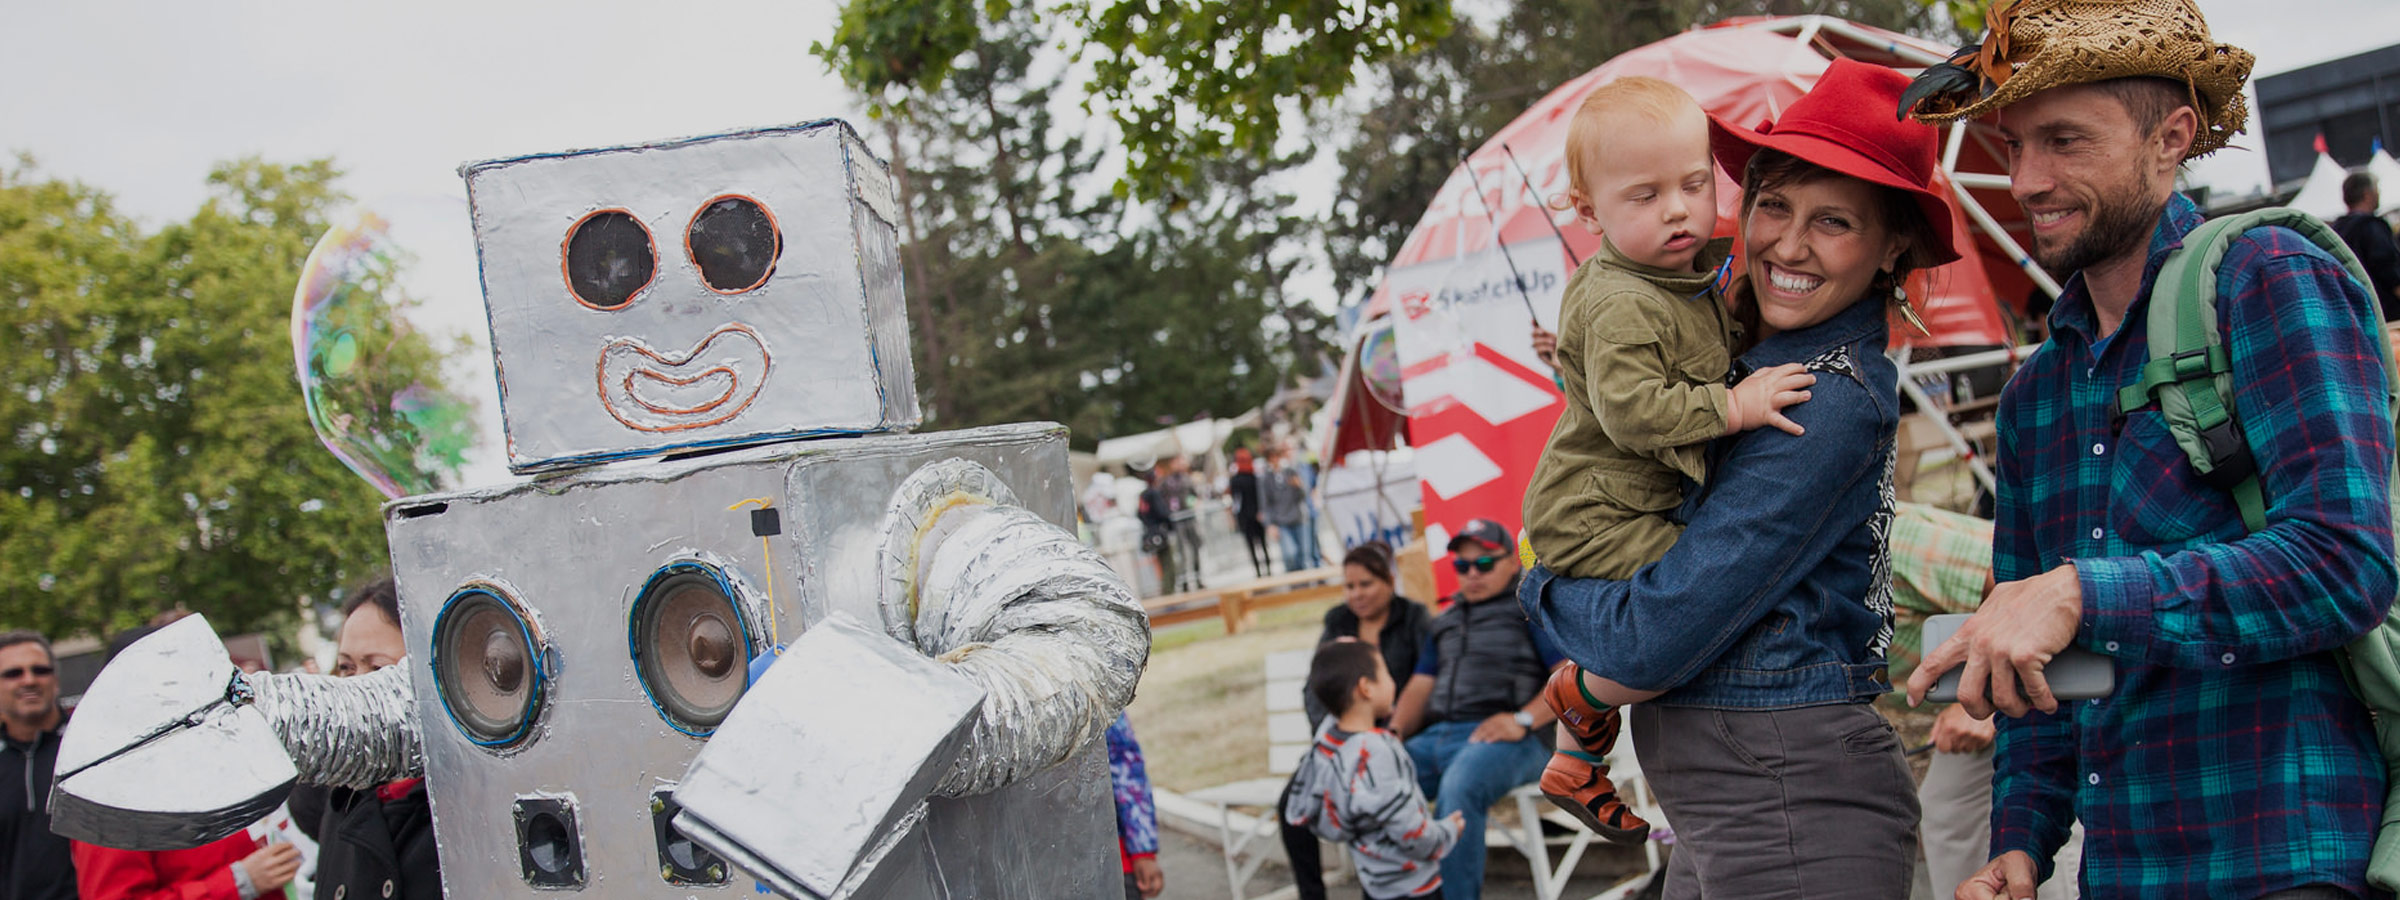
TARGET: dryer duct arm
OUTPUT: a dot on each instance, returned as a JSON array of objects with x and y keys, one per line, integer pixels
[{"x": 1038, "y": 620}]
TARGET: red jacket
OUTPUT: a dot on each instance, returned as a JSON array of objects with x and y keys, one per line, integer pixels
[{"x": 200, "y": 873}]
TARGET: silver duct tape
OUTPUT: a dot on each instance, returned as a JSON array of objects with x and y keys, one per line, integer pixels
[
  {"x": 909, "y": 528},
  {"x": 1040, "y": 621},
  {"x": 354, "y": 732},
  {"x": 825, "y": 712},
  {"x": 575, "y": 549},
  {"x": 818, "y": 345}
]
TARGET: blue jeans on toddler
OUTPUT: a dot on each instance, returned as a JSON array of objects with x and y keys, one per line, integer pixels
[{"x": 1468, "y": 777}]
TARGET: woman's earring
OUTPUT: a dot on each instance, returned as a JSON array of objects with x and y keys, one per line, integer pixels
[{"x": 1900, "y": 299}]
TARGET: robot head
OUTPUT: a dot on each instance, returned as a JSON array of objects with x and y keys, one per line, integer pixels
[{"x": 707, "y": 292}]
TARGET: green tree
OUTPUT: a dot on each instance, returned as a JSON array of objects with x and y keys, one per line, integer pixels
[
  {"x": 156, "y": 451},
  {"x": 1035, "y": 295},
  {"x": 1184, "y": 82}
]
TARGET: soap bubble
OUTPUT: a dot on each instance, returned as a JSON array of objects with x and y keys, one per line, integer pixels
[
  {"x": 374, "y": 382},
  {"x": 1433, "y": 337}
]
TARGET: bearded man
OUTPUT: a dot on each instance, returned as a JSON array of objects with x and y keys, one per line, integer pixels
[
  {"x": 34, "y": 863},
  {"x": 2231, "y": 761}
]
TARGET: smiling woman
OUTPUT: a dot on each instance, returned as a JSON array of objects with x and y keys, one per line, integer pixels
[{"x": 1762, "y": 632}]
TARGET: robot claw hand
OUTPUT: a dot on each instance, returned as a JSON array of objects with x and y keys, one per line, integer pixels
[{"x": 173, "y": 747}]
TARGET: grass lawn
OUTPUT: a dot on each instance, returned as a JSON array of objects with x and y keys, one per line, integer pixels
[{"x": 1201, "y": 710}]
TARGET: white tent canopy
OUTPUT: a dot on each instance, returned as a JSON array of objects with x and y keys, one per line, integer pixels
[
  {"x": 2387, "y": 178},
  {"x": 2321, "y": 196},
  {"x": 1199, "y": 438}
]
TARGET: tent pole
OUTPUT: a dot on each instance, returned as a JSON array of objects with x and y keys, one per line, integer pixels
[
  {"x": 2016, "y": 252},
  {"x": 1941, "y": 421}
]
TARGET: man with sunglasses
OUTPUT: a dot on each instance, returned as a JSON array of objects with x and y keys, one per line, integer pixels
[
  {"x": 1472, "y": 713},
  {"x": 34, "y": 863}
]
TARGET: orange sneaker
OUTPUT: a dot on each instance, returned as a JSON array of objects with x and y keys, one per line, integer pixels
[
  {"x": 1581, "y": 787},
  {"x": 1592, "y": 728}
]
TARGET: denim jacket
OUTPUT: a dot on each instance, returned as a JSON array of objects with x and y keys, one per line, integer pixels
[{"x": 1778, "y": 595}]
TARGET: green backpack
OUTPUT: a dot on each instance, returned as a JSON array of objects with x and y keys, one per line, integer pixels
[{"x": 2193, "y": 385}]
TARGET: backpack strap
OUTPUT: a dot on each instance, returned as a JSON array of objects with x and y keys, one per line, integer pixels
[{"x": 2193, "y": 382}]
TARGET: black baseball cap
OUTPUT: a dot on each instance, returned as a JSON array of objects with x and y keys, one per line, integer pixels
[{"x": 1484, "y": 530}]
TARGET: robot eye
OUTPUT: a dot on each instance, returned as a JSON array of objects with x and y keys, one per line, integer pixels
[
  {"x": 608, "y": 258},
  {"x": 487, "y": 666},
  {"x": 733, "y": 241},
  {"x": 691, "y": 646}
]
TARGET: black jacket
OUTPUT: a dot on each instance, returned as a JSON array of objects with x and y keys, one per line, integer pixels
[
  {"x": 34, "y": 863},
  {"x": 365, "y": 843},
  {"x": 1244, "y": 488},
  {"x": 1487, "y": 661},
  {"x": 1402, "y": 637},
  {"x": 2371, "y": 239}
]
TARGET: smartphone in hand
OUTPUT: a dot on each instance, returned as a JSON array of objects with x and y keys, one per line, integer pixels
[{"x": 2074, "y": 674}]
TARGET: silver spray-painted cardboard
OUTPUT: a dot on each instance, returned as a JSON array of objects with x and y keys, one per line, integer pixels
[
  {"x": 585, "y": 777},
  {"x": 706, "y": 292}
]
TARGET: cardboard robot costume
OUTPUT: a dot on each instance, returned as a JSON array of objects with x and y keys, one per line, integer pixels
[{"x": 590, "y": 714}]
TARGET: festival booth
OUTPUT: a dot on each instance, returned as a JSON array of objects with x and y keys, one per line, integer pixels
[{"x": 1443, "y": 360}]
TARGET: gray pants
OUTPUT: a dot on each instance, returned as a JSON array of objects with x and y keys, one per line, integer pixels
[
  {"x": 1957, "y": 797},
  {"x": 1795, "y": 803}
]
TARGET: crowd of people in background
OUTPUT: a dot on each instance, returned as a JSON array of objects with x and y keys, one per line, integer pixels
[{"x": 1272, "y": 503}]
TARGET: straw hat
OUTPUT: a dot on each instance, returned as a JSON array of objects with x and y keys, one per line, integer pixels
[
  {"x": 1839, "y": 125},
  {"x": 2034, "y": 45}
]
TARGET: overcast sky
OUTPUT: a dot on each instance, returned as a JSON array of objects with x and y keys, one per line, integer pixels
[{"x": 139, "y": 99}]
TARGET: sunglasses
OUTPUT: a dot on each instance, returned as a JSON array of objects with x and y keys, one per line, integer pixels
[
  {"x": 19, "y": 672},
  {"x": 1479, "y": 564}
]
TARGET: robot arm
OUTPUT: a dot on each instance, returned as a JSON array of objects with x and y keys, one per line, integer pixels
[
  {"x": 1024, "y": 610},
  {"x": 353, "y": 732},
  {"x": 1007, "y": 647},
  {"x": 173, "y": 748}
]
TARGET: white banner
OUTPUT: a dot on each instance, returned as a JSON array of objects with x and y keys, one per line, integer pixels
[{"x": 1370, "y": 496}]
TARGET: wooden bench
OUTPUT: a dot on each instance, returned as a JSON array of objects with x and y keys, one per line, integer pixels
[
  {"x": 1189, "y": 606},
  {"x": 1239, "y": 605}
]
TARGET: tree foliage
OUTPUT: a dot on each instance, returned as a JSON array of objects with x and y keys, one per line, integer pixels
[
  {"x": 156, "y": 452},
  {"x": 1184, "y": 82},
  {"x": 1032, "y": 295}
]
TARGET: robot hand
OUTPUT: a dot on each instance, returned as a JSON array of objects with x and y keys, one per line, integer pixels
[
  {"x": 1007, "y": 647},
  {"x": 173, "y": 705},
  {"x": 851, "y": 724}
]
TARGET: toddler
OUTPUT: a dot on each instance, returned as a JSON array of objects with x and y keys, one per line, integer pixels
[
  {"x": 1644, "y": 345},
  {"x": 1358, "y": 786}
]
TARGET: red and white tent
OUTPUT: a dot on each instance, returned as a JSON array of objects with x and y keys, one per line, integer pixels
[{"x": 1479, "y": 404}]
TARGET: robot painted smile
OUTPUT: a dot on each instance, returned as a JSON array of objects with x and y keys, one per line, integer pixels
[{"x": 707, "y": 386}]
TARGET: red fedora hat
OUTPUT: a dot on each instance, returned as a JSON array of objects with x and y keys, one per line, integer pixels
[{"x": 1845, "y": 125}]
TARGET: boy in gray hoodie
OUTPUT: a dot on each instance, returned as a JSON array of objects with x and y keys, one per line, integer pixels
[{"x": 1357, "y": 785}]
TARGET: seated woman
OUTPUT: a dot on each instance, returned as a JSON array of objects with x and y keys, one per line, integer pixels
[{"x": 1757, "y": 643}]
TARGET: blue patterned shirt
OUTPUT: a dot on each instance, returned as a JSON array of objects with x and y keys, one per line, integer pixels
[
  {"x": 2231, "y": 760},
  {"x": 1129, "y": 781}
]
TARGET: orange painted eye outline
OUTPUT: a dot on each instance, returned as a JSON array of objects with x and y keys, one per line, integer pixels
[
  {"x": 774, "y": 228},
  {"x": 649, "y": 240}
]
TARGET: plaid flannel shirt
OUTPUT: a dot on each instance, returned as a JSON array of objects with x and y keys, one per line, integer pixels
[{"x": 2231, "y": 760}]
